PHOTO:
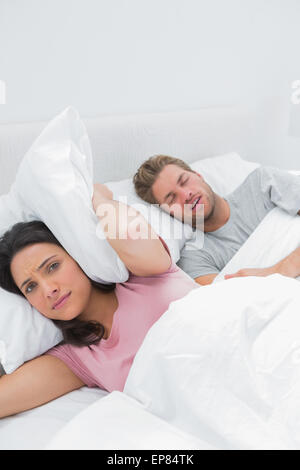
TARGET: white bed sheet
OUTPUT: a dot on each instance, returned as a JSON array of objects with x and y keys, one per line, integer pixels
[
  {"x": 33, "y": 429},
  {"x": 119, "y": 422}
]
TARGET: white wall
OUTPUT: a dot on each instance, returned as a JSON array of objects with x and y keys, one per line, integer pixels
[{"x": 126, "y": 56}]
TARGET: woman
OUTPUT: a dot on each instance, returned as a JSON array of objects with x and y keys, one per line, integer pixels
[{"x": 103, "y": 326}]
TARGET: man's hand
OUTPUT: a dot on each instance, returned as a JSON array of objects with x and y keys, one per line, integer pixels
[
  {"x": 288, "y": 266},
  {"x": 252, "y": 272},
  {"x": 101, "y": 194}
]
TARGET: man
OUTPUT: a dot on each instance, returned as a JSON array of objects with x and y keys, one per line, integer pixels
[{"x": 229, "y": 221}]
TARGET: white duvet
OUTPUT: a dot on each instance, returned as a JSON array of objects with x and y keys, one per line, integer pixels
[{"x": 222, "y": 364}]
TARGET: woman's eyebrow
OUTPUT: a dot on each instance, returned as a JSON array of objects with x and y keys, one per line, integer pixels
[{"x": 40, "y": 267}]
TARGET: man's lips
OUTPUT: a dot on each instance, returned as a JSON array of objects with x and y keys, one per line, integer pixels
[
  {"x": 61, "y": 301},
  {"x": 194, "y": 203}
]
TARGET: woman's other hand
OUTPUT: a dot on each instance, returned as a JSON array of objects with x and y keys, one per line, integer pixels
[
  {"x": 101, "y": 194},
  {"x": 130, "y": 235}
]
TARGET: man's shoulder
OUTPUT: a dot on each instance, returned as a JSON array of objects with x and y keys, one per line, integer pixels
[
  {"x": 264, "y": 172},
  {"x": 255, "y": 174},
  {"x": 252, "y": 180},
  {"x": 267, "y": 176}
]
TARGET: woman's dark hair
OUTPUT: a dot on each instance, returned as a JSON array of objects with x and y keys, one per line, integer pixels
[{"x": 23, "y": 234}]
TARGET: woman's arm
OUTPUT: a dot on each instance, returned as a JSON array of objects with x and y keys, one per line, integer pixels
[
  {"x": 34, "y": 383},
  {"x": 130, "y": 235}
]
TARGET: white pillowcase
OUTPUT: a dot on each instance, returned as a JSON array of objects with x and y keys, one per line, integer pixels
[
  {"x": 24, "y": 332},
  {"x": 224, "y": 173},
  {"x": 54, "y": 184}
]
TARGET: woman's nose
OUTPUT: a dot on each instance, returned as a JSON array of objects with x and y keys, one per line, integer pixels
[{"x": 51, "y": 290}]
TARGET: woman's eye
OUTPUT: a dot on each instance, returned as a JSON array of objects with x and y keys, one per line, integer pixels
[
  {"x": 184, "y": 182},
  {"x": 53, "y": 265},
  {"x": 29, "y": 288}
]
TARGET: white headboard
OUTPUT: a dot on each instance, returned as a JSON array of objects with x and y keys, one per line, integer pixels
[{"x": 120, "y": 143}]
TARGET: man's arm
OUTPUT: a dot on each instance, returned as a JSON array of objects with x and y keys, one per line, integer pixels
[
  {"x": 206, "y": 280},
  {"x": 288, "y": 266},
  {"x": 280, "y": 188}
]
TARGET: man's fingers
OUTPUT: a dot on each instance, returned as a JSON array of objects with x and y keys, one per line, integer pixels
[{"x": 228, "y": 276}]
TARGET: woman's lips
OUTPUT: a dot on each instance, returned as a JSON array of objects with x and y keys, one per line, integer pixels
[{"x": 62, "y": 302}]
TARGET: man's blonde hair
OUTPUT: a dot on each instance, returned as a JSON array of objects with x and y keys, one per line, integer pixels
[{"x": 148, "y": 172}]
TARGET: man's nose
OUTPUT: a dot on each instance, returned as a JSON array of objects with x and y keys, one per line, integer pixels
[{"x": 185, "y": 194}]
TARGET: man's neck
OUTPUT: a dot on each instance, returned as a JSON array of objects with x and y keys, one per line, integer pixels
[{"x": 219, "y": 217}]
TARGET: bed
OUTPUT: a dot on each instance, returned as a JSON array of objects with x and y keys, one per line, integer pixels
[{"x": 139, "y": 418}]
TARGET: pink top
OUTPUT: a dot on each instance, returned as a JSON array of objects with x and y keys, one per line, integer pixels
[{"x": 142, "y": 300}]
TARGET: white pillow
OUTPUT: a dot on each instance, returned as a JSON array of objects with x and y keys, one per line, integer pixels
[
  {"x": 24, "y": 332},
  {"x": 54, "y": 183},
  {"x": 224, "y": 173}
]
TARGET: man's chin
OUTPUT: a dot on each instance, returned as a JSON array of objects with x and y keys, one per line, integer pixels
[
  {"x": 197, "y": 220},
  {"x": 184, "y": 220},
  {"x": 194, "y": 221}
]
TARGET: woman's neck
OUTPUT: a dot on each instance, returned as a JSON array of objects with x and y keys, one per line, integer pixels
[{"x": 101, "y": 307}]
